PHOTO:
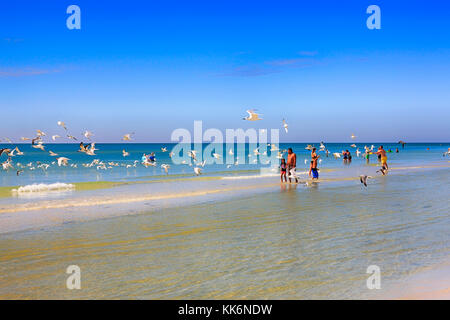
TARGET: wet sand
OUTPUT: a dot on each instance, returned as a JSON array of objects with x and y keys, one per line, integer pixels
[{"x": 250, "y": 238}]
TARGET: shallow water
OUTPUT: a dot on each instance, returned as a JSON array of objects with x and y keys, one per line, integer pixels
[{"x": 289, "y": 242}]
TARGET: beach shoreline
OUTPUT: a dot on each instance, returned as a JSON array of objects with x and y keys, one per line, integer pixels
[{"x": 133, "y": 197}]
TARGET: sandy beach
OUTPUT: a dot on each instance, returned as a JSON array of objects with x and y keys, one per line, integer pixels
[{"x": 202, "y": 238}]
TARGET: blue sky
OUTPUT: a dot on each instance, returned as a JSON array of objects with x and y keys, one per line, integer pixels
[{"x": 150, "y": 67}]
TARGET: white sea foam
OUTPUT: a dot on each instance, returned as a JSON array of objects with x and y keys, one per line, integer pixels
[{"x": 42, "y": 187}]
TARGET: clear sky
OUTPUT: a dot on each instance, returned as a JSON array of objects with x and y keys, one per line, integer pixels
[{"x": 150, "y": 67}]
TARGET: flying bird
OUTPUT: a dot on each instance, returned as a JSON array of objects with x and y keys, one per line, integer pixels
[
  {"x": 54, "y": 137},
  {"x": 38, "y": 139},
  {"x": 88, "y": 134},
  {"x": 336, "y": 155},
  {"x": 91, "y": 150},
  {"x": 40, "y": 133},
  {"x": 71, "y": 137},
  {"x": 197, "y": 171},
  {"x": 353, "y": 136},
  {"x": 193, "y": 154},
  {"x": 166, "y": 167},
  {"x": 124, "y": 153},
  {"x": 127, "y": 137},
  {"x": 19, "y": 153},
  {"x": 252, "y": 116},
  {"x": 39, "y": 146},
  {"x": 285, "y": 125},
  {"x": 62, "y": 161},
  {"x": 62, "y": 124},
  {"x": 363, "y": 179}
]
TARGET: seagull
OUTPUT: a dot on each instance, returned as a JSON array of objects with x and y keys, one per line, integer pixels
[
  {"x": 383, "y": 171},
  {"x": 4, "y": 150},
  {"x": 71, "y": 137},
  {"x": 127, "y": 137},
  {"x": 252, "y": 116},
  {"x": 8, "y": 140},
  {"x": 202, "y": 164},
  {"x": 7, "y": 165},
  {"x": 197, "y": 171},
  {"x": 363, "y": 179},
  {"x": 62, "y": 124},
  {"x": 38, "y": 139},
  {"x": 11, "y": 153},
  {"x": 193, "y": 154},
  {"x": 19, "y": 172},
  {"x": 309, "y": 147},
  {"x": 336, "y": 155},
  {"x": 285, "y": 125},
  {"x": 163, "y": 149},
  {"x": 40, "y": 133},
  {"x": 353, "y": 136},
  {"x": 231, "y": 152},
  {"x": 87, "y": 134},
  {"x": 124, "y": 153},
  {"x": 353, "y": 145},
  {"x": 19, "y": 153},
  {"x": 166, "y": 167},
  {"x": 52, "y": 154},
  {"x": 62, "y": 161},
  {"x": 216, "y": 155},
  {"x": 322, "y": 147},
  {"x": 39, "y": 146},
  {"x": 83, "y": 148},
  {"x": 91, "y": 150},
  {"x": 25, "y": 139},
  {"x": 54, "y": 137}
]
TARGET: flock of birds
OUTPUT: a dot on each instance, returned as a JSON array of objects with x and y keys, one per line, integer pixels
[
  {"x": 89, "y": 149},
  {"x": 38, "y": 143}
]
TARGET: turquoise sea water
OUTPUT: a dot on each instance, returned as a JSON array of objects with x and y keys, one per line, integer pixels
[{"x": 414, "y": 153}]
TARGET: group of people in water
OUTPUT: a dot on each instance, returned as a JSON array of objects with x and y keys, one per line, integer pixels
[{"x": 287, "y": 169}]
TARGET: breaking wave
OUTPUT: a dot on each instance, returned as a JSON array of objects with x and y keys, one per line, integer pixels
[{"x": 42, "y": 187}]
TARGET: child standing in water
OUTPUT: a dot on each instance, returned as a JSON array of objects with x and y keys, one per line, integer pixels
[{"x": 283, "y": 170}]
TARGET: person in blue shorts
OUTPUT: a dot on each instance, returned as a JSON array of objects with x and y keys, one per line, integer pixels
[{"x": 313, "y": 167}]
